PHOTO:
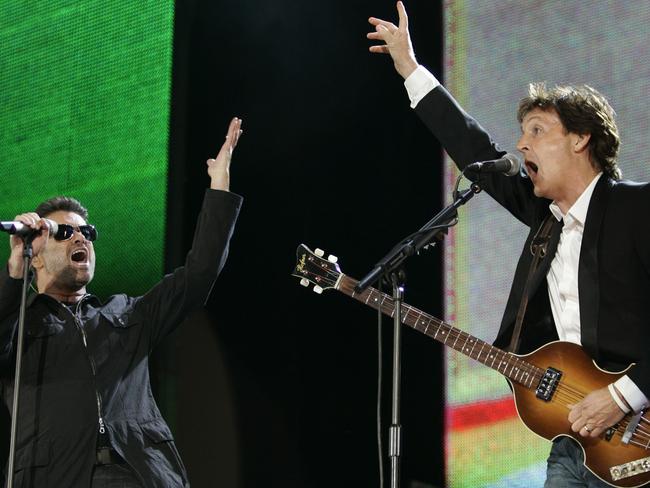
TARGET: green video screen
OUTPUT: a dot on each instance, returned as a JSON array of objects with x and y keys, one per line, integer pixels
[{"x": 84, "y": 112}]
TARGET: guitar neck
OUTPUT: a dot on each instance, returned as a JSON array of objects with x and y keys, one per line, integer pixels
[{"x": 509, "y": 365}]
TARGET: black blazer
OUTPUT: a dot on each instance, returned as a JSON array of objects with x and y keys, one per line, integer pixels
[{"x": 614, "y": 267}]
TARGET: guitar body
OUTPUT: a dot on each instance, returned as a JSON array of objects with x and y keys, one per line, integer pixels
[
  {"x": 549, "y": 419},
  {"x": 561, "y": 371}
]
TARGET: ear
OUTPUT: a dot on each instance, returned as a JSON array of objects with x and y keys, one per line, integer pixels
[
  {"x": 37, "y": 262},
  {"x": 581, "y": 142}
]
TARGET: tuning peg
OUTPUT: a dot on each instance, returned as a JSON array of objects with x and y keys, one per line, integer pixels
[
  {"x": 304, "y": 282},
  {"x": 332, "y": 259},
  {"x": 318, "y": 289},
  {"x": 319, "y": 252}
]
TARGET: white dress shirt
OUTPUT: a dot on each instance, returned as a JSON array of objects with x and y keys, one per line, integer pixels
[{"x": 562, "y": 278}]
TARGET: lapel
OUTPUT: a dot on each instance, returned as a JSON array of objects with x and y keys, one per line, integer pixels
[{"x": 588, "y": 286}]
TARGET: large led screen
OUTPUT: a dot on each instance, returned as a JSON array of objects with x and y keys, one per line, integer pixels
[
  {"x": 493, "y": 50},
  {"x": 84, "y": 112}
]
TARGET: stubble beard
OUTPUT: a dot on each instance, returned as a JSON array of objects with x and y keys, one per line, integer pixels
[{"x": 73, "y": 279}]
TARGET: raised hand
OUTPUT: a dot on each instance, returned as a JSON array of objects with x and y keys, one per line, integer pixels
[
  {"x": 219, "y": 167},
  {"x": 397, "y": 41}
]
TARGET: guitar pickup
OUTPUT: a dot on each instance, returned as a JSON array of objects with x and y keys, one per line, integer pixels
[{"x": 548, "y": 384}]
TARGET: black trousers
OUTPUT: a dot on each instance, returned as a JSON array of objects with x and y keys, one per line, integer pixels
[{"x": 114, "y": 476}]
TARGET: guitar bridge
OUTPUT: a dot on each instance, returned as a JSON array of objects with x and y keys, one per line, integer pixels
[
  {"x": 628, "y": 470},
  {"x": 548, "y": 384}
]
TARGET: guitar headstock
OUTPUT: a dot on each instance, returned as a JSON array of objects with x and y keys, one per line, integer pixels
[{"x": 313, "y": 269}]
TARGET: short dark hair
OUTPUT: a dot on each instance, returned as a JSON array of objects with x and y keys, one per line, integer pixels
[
  {"x": 66, "y": 204},
  {"x": 582, "y": 110}
]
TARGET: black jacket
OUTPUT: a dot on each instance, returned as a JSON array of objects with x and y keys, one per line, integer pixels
[
  {"x": 67, "y": 387},
  {"x": 614, "y": 266}
]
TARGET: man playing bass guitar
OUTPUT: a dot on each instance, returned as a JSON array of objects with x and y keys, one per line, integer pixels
[{"x": 593, "y": 283}]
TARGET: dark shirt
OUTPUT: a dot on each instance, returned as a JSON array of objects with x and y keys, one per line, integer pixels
[{"x": 85, "y": 377}]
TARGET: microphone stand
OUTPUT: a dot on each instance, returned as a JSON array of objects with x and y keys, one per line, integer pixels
[
  {"x": 27, "y": 259},
  {"x": 388, "y": 265}
]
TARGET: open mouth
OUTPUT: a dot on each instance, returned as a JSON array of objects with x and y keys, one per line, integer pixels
[
  {"x": 79, "y": 256},
  {"x": 531, "y": 167}
]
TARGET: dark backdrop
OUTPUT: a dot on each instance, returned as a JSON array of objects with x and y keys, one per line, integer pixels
[{"x": 275, "y": 385}]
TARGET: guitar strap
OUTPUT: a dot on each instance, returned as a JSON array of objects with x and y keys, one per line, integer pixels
[{"x": 538, "y": 248}]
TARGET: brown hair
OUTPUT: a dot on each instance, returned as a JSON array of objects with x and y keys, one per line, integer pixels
[
  {"x": 582, "y": 110},
  {"x": 61, "y": 203}
]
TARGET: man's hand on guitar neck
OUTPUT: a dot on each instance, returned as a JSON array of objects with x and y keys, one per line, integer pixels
[{"x": 595, "y": 414}]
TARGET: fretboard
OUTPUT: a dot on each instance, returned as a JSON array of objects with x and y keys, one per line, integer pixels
[{"x": 509, "y": 365}]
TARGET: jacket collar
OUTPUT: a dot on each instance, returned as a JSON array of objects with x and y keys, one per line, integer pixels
[{"x": 54, "y": 304}]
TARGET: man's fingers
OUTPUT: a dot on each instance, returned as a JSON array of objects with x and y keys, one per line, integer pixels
[
  {"x": 31, "y": 219},
  {"x": 375, "y": 36},
  {"x": 232, "y": 128},
  {"x": 236, "y": 133},
  {"x": 231, "y": 140},
  {"x": 597, "y": 431},
  {"x": 403, "y": 18},
  {"x": 574, "y": 414},
  {"x": 384, "y": 23},
  {"x": 233, "y": 134},
  {"x": 379, "y": 49},
  {"x": 577, "y": 426},
  {"x": 583, "y": 428}
]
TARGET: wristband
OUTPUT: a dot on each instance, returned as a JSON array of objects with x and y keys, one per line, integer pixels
[{"x": 617, "y": 399}]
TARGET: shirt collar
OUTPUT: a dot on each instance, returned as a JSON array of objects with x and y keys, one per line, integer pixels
[
  {"x": 54, "y": 304},
  {"x": 578, "y": 210}
]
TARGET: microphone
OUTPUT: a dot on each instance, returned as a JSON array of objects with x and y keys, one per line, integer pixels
[
  {"x": 509, "y": 165},
  {"x": 20, "y": 229}
]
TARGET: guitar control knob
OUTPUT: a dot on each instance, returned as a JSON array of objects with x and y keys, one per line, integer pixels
[
  {"x": 318, "y": 289},
  {"x": 304, "y": 282},
  {"x": 332, "y": 259},
  {"x": 319, "y": 252}
]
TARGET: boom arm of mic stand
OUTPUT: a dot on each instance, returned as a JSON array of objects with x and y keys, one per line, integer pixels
[{"x": 429, "y": 231}]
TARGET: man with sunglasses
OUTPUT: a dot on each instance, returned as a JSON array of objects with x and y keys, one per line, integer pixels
[{"x": 87, "y": 416}]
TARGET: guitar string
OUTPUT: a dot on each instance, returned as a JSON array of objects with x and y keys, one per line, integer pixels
[
  {"x": 499, "y": 357},
  {"x": 574, "y": 394},
  {"x": 633, "y": 439},
  {"x": 579, "y": 395},
  {"x": 566, "y": 391},
  {"x": 621, "y": 428},
  {"x": 563, "y": 391},
  {"x": 455, "y": 334},
  {"x": 639, "y": 433}
]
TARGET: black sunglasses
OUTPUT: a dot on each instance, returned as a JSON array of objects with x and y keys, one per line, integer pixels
[{"x": 66, "y": 231}]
